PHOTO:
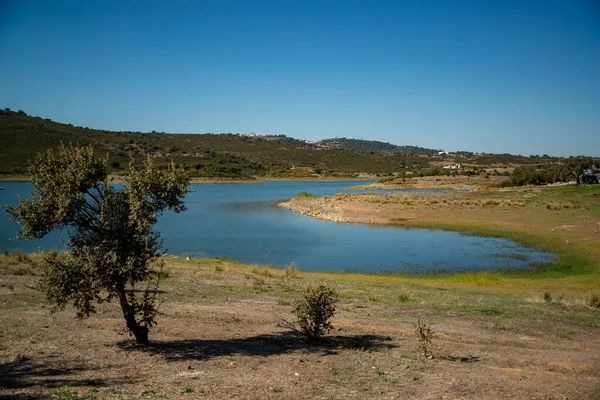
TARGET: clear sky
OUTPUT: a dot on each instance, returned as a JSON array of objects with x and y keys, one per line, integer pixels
[{"x": 492, "y": 76}]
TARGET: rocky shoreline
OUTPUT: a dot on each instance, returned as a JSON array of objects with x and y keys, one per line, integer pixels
[{"x": 316, "y": 207}]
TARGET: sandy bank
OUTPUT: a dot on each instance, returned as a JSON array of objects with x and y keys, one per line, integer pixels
[{"x": 322, "y": 208}]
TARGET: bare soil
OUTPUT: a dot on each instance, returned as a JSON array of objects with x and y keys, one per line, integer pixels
[{"x": 218, "y": 338}]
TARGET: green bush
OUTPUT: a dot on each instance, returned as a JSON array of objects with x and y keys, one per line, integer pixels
[
  {"x": 313, "y": 312},
  {"x": 530, "y": 176}
]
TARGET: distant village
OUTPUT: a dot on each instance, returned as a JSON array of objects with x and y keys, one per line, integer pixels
[
  {"x": 266, "y": 136},
  {"x": 275, "y": 136}
]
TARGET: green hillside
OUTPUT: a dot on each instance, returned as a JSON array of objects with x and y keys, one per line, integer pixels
[
  {"x": 375, "y": 146},
  {"x": 202, "y": 155},
  {"x": 235, "y": 156}
]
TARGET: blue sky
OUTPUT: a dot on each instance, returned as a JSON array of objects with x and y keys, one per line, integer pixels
[{"x": 521, "y": 77}]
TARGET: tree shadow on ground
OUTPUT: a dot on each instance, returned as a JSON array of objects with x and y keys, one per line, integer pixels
[
  {"x": 260, "y": 345},
  {"x": 27, "y": 373}
]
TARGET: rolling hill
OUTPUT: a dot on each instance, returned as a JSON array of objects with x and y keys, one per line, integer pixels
[
  {"x": 203, "y": 155},
  {"x": 235, "y": 156}
]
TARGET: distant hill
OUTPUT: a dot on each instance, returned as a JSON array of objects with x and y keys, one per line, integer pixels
[
  {"x": 235, "y": 156},
  {"x": 374, "y": 146},
  {"x": 222, "y": 155}
]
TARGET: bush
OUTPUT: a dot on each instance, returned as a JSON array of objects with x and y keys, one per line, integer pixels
[
  {"x": 313, "y": 311},
  {"x": 403, "y": 296},
  {"x": 291, "y": 271},
  {"x": 20, "y": 256},
  {"x": 529, "y": 175},
  {"x": 424, "y": 335}
]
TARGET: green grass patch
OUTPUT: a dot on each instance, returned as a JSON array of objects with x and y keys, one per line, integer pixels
[{"x": 303, "y": 195}]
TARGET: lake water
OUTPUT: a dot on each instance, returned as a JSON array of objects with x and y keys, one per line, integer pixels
[{"x": 241, "y": 221}]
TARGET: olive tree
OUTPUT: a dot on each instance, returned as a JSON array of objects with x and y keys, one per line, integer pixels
[{"x": 112, "y": 247}]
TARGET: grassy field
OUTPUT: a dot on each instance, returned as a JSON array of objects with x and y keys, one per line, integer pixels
[
  {"x": 529, "y": 334},
  {"x": 218, "y": 338}
]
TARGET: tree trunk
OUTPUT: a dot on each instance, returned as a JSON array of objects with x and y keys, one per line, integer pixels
[{"x": 140, "y": 332}]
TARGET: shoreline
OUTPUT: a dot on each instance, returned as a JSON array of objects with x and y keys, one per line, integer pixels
[
  {"x": 197, "y": 180},
  {"x": 532, "y": 217}
]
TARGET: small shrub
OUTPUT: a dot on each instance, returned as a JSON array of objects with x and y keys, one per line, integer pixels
[
  {"x": 313, "y": 312},
  {"x": 404, "y": 296},
  {"x": 291, "y": 271},
  {"x": 558, "y": 206},
  {"x": 20, "y": 256},
  {"x": 548, "y": 297},
  {"x": 497, "y": 325},
  {"x": 303, "y": 195},
  {"x": 6, "y": 252},
  {"x": 374, "y": 297},
  {"x": 424, "y": 335},
  {"x": 163, "y": 273}
]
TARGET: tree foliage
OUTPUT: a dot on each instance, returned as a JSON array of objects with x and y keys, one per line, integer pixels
[
  {"x": 112, "y": 246},
  {"x": 565, "y": 170}
]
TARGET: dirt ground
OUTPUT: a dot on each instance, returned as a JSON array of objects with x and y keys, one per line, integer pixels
[{"x": 218, "y": 338}]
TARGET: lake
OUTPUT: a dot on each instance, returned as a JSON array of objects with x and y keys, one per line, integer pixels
[{"x": 242, "y": 222}]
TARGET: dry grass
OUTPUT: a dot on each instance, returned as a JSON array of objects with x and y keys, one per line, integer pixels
[{"x": 218, "y": 338}]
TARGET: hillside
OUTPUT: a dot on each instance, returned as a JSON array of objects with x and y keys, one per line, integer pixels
[
  {"x": 374, "y": 146},
  {"x": 203, "y": 155},
  {"x": 234, "y": 156}
]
